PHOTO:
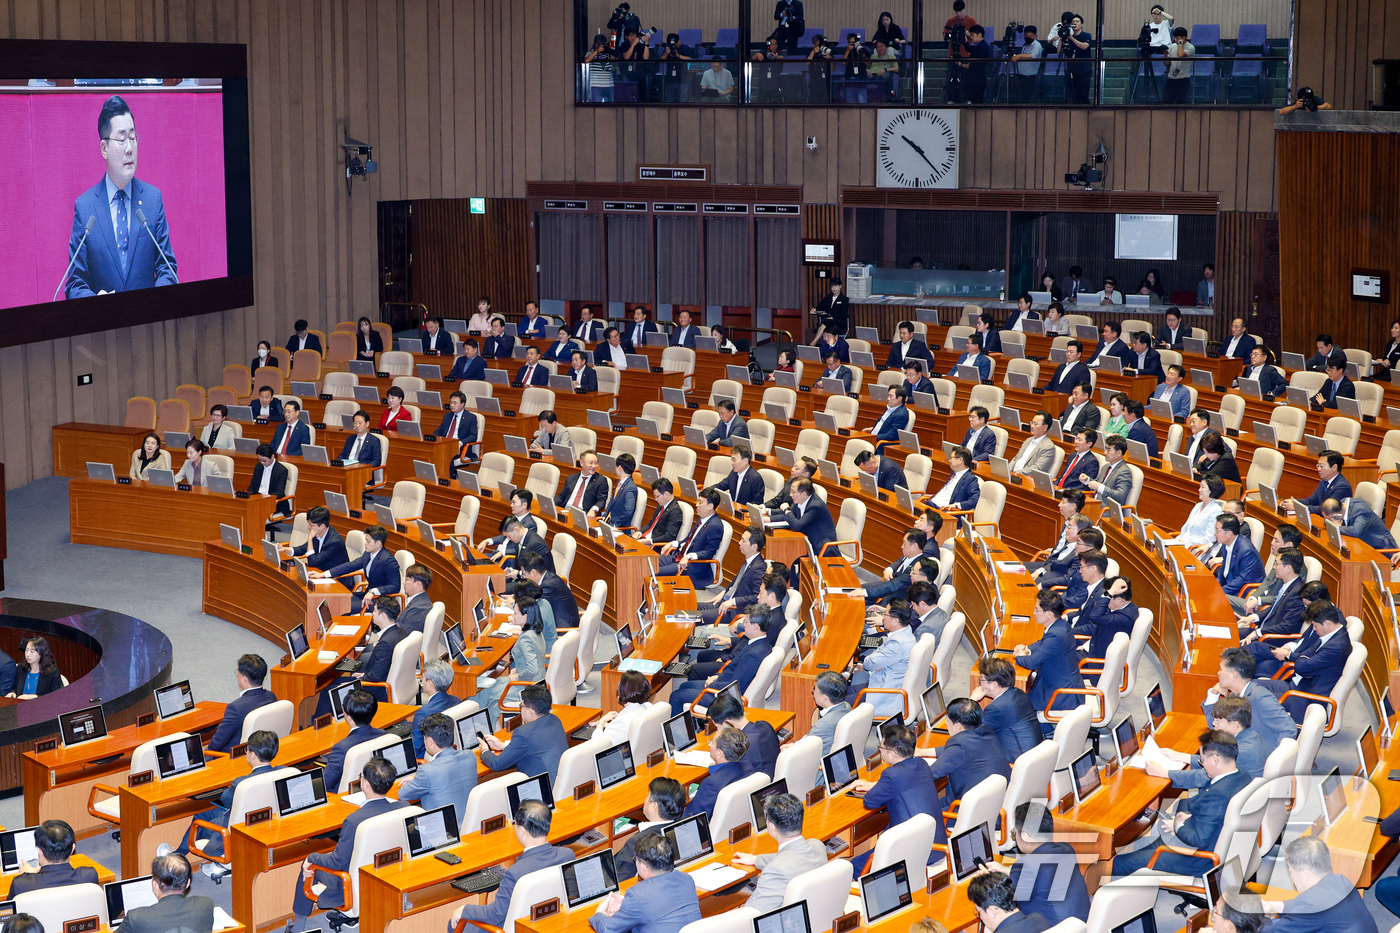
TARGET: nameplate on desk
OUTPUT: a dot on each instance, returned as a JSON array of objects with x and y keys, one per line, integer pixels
[
  {"x": 123, "y": 480},
  {"x": 1066, "y": 803},
  {"x": 656, "y": 757},
  {"x": 938, "y": 881},
  {"x": 872, "y": 762},
  {"x": 740, "y": 833},
  {"x": 843, "y": 432},
  {"x": 493, "y": 824},
  {"x": 585, "y": 790},
  {"x": 353, "y": 787},
  {"x": 544, "y": 909},
  {"x": 85, "y": 925},
  {"x": 259, "y": 421},
  {"x": 1111, "y": 768},
  {"x": 246, "y": 549},
  {"x": 238, "y": 751},
  {"x": 795, "y": 422},
  {"x": 324, "y": 722},
  {"x": 47, "y": 745},
  {"x": 816, "y": 795},
  {"x": 512, "y": 723},
  {"x": 710, "y": 727},
  {"x": 286, "y": 661},
  {"x": 920, "y": 727},
  {"x": 140, "y": 777},
  {"x": 379, "y": 375},
  {"x": 319, "y": 425},
  {"x": 847, "y": 923},
  {"x": 254, "y": 817},
  {"x": 145, "y": 720},
  {"x": 388, "y": 857},
  {"x": 184, "y": 487}
]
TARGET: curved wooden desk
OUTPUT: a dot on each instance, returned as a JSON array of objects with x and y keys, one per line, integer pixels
[
  {"x": 267, "y": 601},
  {"x": 143, "y": 517}
]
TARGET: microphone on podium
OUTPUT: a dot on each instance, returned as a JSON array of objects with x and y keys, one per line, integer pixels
[
  {"x": 87, "y": 228},
  {"x": 141, "y": 216}
]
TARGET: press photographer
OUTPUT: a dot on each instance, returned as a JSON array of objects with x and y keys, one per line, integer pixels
[
  {"x": 1306, "y": 100},
  {"x": 791, "y": 24},
  {"x": 819, "y": 71},
  {"x": 624, "y": 19},
  {"x": 1027, "y": 64},
  {"x": 955, "y": 33},
  {"x": 1070, "y": 41},
  {"x": 601, "y": 70},
  {"x": 674, "y": 77},
  {"x": 766, "y": 75}
]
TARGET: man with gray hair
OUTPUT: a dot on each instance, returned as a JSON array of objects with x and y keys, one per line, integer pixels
[
  {"x": 437, "y": 680},
  {"x": 1326, "y": 901},
  {"x": 175, "y": 908},
  {"x": 795, "y": 856}
]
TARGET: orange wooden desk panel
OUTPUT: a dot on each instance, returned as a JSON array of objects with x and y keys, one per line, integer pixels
[
  {"x": 313, "y": 479},
  {"x": 842, "y": 624},
  {"x": 104, "y": 875},
  {"x": 302, "y": 680},
  {"x": 57, "y": 783},
  {"x": 1344, "y": 576},
  {"x": 77, "y": 443},
  {"x": 142, "y": 517},
  {"x": 251, "y": 593},
  {"x": 266, "y": 860},
  {"x": 402, "y": 450},
  {"x": 162, "y": 810}
]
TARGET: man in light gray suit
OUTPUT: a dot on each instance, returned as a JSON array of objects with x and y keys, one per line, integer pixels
[
  {"x": 1236, "y": 677},
  {"x": 1116, "y": 480},
  {"x": 929, "y": 618},
  {"x": 175, "y": 908},
  {"x": 448, "y": 776},
  {"x": 1037, "y": 451},
  {"x": 795, "y": 856},
  {"x": 829, "y": 693}
]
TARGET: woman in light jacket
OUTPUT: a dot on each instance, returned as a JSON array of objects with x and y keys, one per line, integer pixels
[{"x": 149, "y": 456}]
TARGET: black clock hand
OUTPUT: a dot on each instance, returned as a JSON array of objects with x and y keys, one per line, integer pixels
[{"x": 913, "y": 145}]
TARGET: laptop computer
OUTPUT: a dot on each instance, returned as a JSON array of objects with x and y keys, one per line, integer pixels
[
  {"x": 1110, "y": 364},
  {"x": 638, "y": 361},
  {"x": 17, "y": 848},
  {"x": 424, "y": 398},
  {"x": 1298, "y": 397},
  {"x": 673, "y": 396},
  {"x": 425, "y": 472},
  {"x": 163, "y": 478},
  {"x": 885, "y": 891},
  {"x": 562, "y": 453},
  {"x": 298, "y": 792},
  {"x": 1010, "y": 418},
  {"x": 1020, "y": 381},
  {"x": 649, "y": 427},
  {"x": 1196, "y": 345},
  {"x": 429, "y": 372},
  {"x": 435, "y": 829},
  {"x": 175, "y": 440},
  {"x": 297, "y": 644},
  {"x": 781, "y": 379},
  {"x": 246, "y": 445},
  {"x": 706, "y": 344},
  {"x": 1315, "y": 444},
  {"x": 471, "y": 727},
  {"x": 174, "y": 699},
  {"x": 1034, "y": 326},
  {"x": 1000, "y": 467},
  {"x": 840, "y": 769},
  {"x": 869, "y": 334},
  {"x": 926, "y": 400},
  {"x": 1162, "y": 408},
  {"x": 231, "y": 537},
  {"x": 410, "y": 344},
  {"x": 650, "y": 474},
  {"x": 957, "y": 344},
  {"x": 909, "y": 441},
  {"x": 690, "y": 838},
  {"x": 360, "y": 367},
  {"x": 1137, "y": 452},
  {"x": 240, "y": 413},
  {"x": 1293, "y": 360},
  {"x": 312, "y": 453},
  {"x": 969, "y": 373},
  {"x": 535, "y": 787},
  {"x": 695, "y": 436},
  {"x": 1156, "y": 707},
  {"x": 400, "y": 756},
  {"x": 971, "y": 849},
  {"x": 1249, "y": 388},
  {"x": 498, "y": 377},
  {"x": 775, "y": 412},
  {"x": 127, "y": 895},
  {"x": 824, "y": 421},
  {"x": 1349, "y": 407},
  {"x": 759, "y": 798},
  {"x": 589, "y": 878},
  {"x": 561, "y": 384},
  {"x": 102, "y": 472},
  {"x": 338, "y": 693},
  {"x": 1136, "y": 301},
  {"x": 1086, "y": 332},
  {"x": 614, "y": 765},
  {"x": 82, "y": 725},
  {"x": 785, "y": 456},
  {"x": 410, "y": 430},
  {"x": 1057, "y": 355},
  {"x": 366, "y": 394},
  {"x": 599, "y": 420},
  {"x": 337, "y": 502},
  {"x": 862, "y": 359},
  {"x": 179, "y": 756},
  {"x": 1014, "y": 351}
]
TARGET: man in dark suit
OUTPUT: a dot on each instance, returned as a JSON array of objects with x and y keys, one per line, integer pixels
[
  {"x": 8, "y": 669},
  {"x": 1111, "y": 344},
  {"x": 1337, "y": 385},
  {"x": 1241, "y": 342},
  {"x": 762, "y": 756},
  {"x": 701, "y": 544},
  {"x": 532, "y": 373},
  {"x": 886, "y": 471},
  {"x": 587, "y": 329},
  {"x": 748, "y": 580},
  {"x": 1317, "y": 661},
  {"x": 835, "y": 369},
  {"x": 469, "y": 365},
  {"x": 585, "y": 377},
  {"x": 634, "y": 335},
  {"x": 1358, "y": 521},
  {"x": 1104, "y": 618},
  {"x": 324, "y": 547},
  {"x": 1134, "y": 415},
  {"x": 1261, "y": 368},
  {"x": 436, "y": 340},
  {"x": 972, "y": 753},
  {"x": 531, "y": 824},
  {"x": 536, "y": 744},
  {"x": 554, "y": 591},
  {"x": 1053, "y": 656},
  {"x": 908, "y": 347},
  {"x": 414, "y": 616},
  {"x": 292, "y": 433},
  {"x": 457, "y": 423},
  {"x": 893, "y": 419},
  {"x": 730, "y": 425},
  {"x": 727, "y": 750},
  {"x": 962, "y": 490},
  {"x": 1327, "y": 902},
  {"x": 375, "y": 781},
  {"x": 1283, "y": 615},
  {"x": 262, "y": 749},
  {"x": 587, "y": 489},
  {"x": 743, "y": 483},
  {"x": 1080, "y": 411},
  {"x": 1199, "y": 818},
  {"x": 1317, "y": 363},
  {"x": 905, "y": 787},
  {"x": 269, "y": 477},
  {"x": 1146, "y": 361},
  {"x": 500, "y": 345},
  {"x": 773, "y": 595},
  {"x": 1170, "y": 334},
  {"x": 376, "y": 565},
  {"x": 743, "y": 664},
  {"x": 302, "y": 339},
  {"x": 666, "y": 517},
  {"x": 56, "y": 843},
  {"x": 810, "y": 516},
  {"x": 362, "y": 446},
  {"x": 665, "y": 804},
  {"x": 122, "y": 252},
  {"x": 1237, "y": 562},
  {"x": 623, "y": 507},
  {"x": 437, "y": 680},
  {"x": 360, "y": 709},
  {"x": 1056, "y": 889},
  {"x": 979, "y": 438},
  {"x": 830, "y": 342},
  {"x": 175, "y": 908},
  {"x": 1010, "y": 715},
  {"x": 1080, "y": 462},
  {"x": 532, "y": 327},
  {"x": 1071, "y": 372},
  {"x": 684, "y": 333},
  {"x": 1016, "y": 320},
  {"x": 266, "y": 407},
  {"x": 896, "y": 576},
  {"x": 993, "y": 898},
  {"x": 252, "y": 671},
  {"x": 385, "y": 615},
  {"x": 987, "y": 326},
  {"x": 1331, "y": 484},
  {"x": 914, "y": 378}
]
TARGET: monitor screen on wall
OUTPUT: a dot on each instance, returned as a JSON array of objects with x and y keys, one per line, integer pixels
[
  {"x": 1145, "y": 236},
  {"x": 127, "y": 190}
]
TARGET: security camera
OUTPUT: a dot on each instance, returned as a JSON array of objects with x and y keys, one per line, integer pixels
[
  {"x": 812, "y": 143},
  {"x": 354, "y": 166}
]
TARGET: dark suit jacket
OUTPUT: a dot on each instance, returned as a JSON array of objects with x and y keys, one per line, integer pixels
[
  {"x": 895, "y": 420},
  {"x": 1245, "y": 566},
  {"x": 665, "y": 526},
  {"x": 751, "y": 491},
  {"x": 585, "y": 379},
  {"x": 561, "y": 600},
  {"x": 1054, "y": 659},
  {"x": 313, "y": 342},
  {"x": 744, "y": 589},
  {"x": 273, "y": 414},
  {"x": 190, "y": 912},
  {"x": 231, "y": 728},
  {"x": 1338, "y": 488},
  {"x": 1333, "y": 905},
  {"x": 1140, "y": 430},
  {"x": 1067, "y": 376},
  {"x": 986, "y": 444},
  {"x": 1320, "y": 665},
  {"x": 1271, "y": 382},
  {"x": 844, "y": 373},
  {"x": 918, "y": 350},
  {"x": 720, "y": 777},
  {"x": 1015, "y": 315},
  {"x": 1069, "y": 479},
  {"x": 535, "y": 859},
  {"x": 1284, "y": 616},
  {"x": 923, "y": 385},
  {"x": 468, "y": 368},
  {"x": 1120, "y": 350},
  {"x": 1151, "y": 365},
  {"x": 439, "y": 343},
  {"x": 369, "y": 450},
  {"x": 8, "y": 669},
  {"x": 1012, "y": 718},
  {"x": 52, "y": 876},
  {"x": 815, "y": 522},
  {"x": 1173, "y": 341},
  {"x": 561, "y": 350},
  {"x": 590, "y": 332},
  {"x": 374, "y": 343},
  {"x": 745, "y": 663},
  {"x": 1243, "y": 348},
  {"x": 534, "y": 748},
  {"x": 466, "y": 427},
  {"x": 725, "y": 432},
  {"x": 1102, "y": 623},
  {"x": 1360, "y": 522},
  {"x": 1057, "y": 890},
  {"x": 324, "y": 554},
  {"x": 335, "y": 758},
  {"x": 383, "y": 570},
  {"x": 376, "y": 667},
  {"x": 98, "y": 265},
  {"x": 991, "y": 340},
  {"x": 1223, "y": 466},
  {"x": 498, "y": 348},
  {"x": 630, "y": 343},
  {"x": 965, "y": 493},
  {"x": 843, "y": 349},
  {"x": 595, "y": 493},
  {"x": 1207, "y": 809},
  {"x": 1331, "y": 391},
  {"x": 624, "y": 503},
  {"x": 1022, "y": 922},
  {"x": 762, "y": 755},
  {"x": 339, "y": 857},
  {"x": 904, "y": 789},
  {"x": 528, "y": 329},
  {"x": 969, "y": 758},
  {"x": 684, "y": 340},
  {"x": 890, "y": 475},
  {"x": 436, "y": 703},
  {"x": 301, "y": 434},
  {"x": 415, "y": 614},
  {"x": 540, "y": 377}
]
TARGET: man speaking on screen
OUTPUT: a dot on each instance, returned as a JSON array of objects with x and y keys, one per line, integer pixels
[{"x": 120, "y": 240}]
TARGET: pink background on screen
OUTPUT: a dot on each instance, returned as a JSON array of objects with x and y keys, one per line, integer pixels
[{"x": 55, "y": 157}]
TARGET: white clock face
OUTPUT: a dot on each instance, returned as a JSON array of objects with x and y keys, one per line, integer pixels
[{"x": 917, "y": 149}]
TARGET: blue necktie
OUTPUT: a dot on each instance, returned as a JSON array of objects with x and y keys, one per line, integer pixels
[{"x": 123, "y": 231}]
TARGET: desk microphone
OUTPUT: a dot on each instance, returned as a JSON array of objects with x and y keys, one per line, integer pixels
[
  {"x": 141, "y": 216},
  {"x": 87, "y": 228}
]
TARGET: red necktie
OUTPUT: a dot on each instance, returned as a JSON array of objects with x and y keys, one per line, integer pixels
[
  {"x": 1069, "y": 471},
  {"x": 578, "y": 491},
  {"x": 456, "y": 420},
  {"x": 286, "y": 439},
  {"x": 529, "y": 374},
  {"x": 654, "y": 519}
]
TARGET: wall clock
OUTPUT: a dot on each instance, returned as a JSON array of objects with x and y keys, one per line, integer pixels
[{"x": 917, "y": 149}]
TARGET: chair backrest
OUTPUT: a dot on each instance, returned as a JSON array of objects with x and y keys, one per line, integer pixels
[
  {"x": 194, "y": 397},
  {"x": 716, "y": 470},
  {"x": 799, "y": 764},
  {"x": 1137, "y": 645},
  {"x": 738, "y": 920},
  {"x": 1069, "y": 925},
  {"x": 1310, "y": 736},
  {"x": 1126, "y": 897},
  {"x": 623, "y": 444},
  {"x": 1279, "y": 768},
  {"x": 989, "y": 397},
  {"x": 890, "y": 377},
  {"x": 609, "y": 380},
  {"x": 431, "y": 648},
  {"x": 945, "y": 392},
  {"x": 980, "y": 804},
  {"x": 762, "y": 692},
  {"x": 563, "y": 549},
  {"x": 374, "y": 835},
  {"x": 780, "y": 396},
  {"x": 1255, "y": 529},
  {"x": 396, "y": 362},
  {"x": 644, "y": 733},
  {"x": 813, "y": 443},
  {"x": 1030, "y": 777},
  {"x": 732, "y": 806},
  {"x": 915, "y": 834},
  {"x": 850, "y": 526},
  {"x": 1266, "y": 469},
  {"x": 1373, "y": 494},
  {"x": 274, "y": 717},
  {"x": 854, "y": 447},
  {"x": 340, "y": 384},
  {"x": 559, "y": 676},
  {"x": 589, "y": 624},
  {"x": 536, "y": 399},
  {"x": 1028, "y": 367},
  {"x": 843, "y": 410},
  {"x": 918, "y": 469},
  {"x": 732, "y": 388},
  {"x": 678, "y": 360},
  {"x": 941, "y": 660},
  {"x": 409, "y": 384},
  {"x": 174, "y": 415},
  {"x": 761, "y": 434},
  {"x": 53, "y": 907},
  {"x": 1071, "y": 732},
  {"x": 239, "y": 378},
  {"x": 1003, "y": 438},
  {"x": 855, "y": 726},
  {"x": 357, "y": 757},
  {"x": 487, "y": 799},
  {"x": 306, "y": 365},
  {"x": 1136, "y": 490},
  {"x": 1351, "y": 673},
  {"x": 474, "y": 389},
  {"x": 494, "y": 469},
  {"x": 680, "y": 461},
  {"x": 659, "y": 412},
  {"x": 340, "y": 347},
  {"x": 1342, "y": 434},
  {"x": 687, "y": 519},
  {"x": 543, "y": 479},
  {"x": 402, "y": 677},
  {"x": 705, "y": 419},
  {"x": 991, "y": 503},
  {"x": 408, "y": 498},
  {"x": 1369, "y": 396},
  {"x": 825, "y": 890},
  {"x": 1232, "y": 411},
  {"x": 578, "y": 765},
  {"x": 143, "y": 757}
]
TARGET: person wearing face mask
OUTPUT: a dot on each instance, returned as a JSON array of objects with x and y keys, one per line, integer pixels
[{"x": 263, "y": 358}]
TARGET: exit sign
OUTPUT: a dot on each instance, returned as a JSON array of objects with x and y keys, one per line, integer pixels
[{"x": 478, "y": 205}]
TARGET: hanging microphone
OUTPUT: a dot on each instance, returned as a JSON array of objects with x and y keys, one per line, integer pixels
[
  {"x": 87, "y": 228},
  {"x": 141, "y": 216}
]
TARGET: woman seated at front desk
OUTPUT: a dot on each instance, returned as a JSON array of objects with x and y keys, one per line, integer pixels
[
  {"x": 196, "y": 470},
  {"x": 150, "y": 456},
  {"x": 38, "y": 674}
]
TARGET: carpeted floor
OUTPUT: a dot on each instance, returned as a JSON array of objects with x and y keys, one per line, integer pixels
[{"x": 165, "y": 591}]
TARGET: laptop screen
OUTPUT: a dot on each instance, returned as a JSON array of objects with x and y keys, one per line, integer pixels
[
  {"x": 428, "y": 832},
  {"x": 128, "y": 895},
  {"x": 301, "y": 791},
  {"x": 532, "y": 788},
  {"x": 456, "y": 644},
  {"x": 1334, "y": 798},
  {"x": 614, "y": 765},
  {"x": 679, "y": 732},
  {"x": 1125, "y": 737},
  {"x": 895, "y": 721},
  {"x": 588, "y": 879},
  {"x": 934, "y": 707},
  {"x": 969, "y": 848},
  {"x": 759, "y": 798},
  {"x": 1367, "y": 752},
  {"x": 179, "y": 756},
  {"x": 296, "y": 641},
  {"x": 1156, "y": 707},
  {"x": 16, "y": 847},
  {"x": 323, "y": 611},
  {"x": 174, "y": 699},
  {"x": 471, "y": 724},
  {"x": 691, "y": 838},
  {"x": 1086, "y": 775},
  {"x": 840, "y": 768},
  {"x": 624, "y": 640},
  {"x": 82, "y": 725},
  {"x": 789, "y": 919},
  {"x": 338, "y": 695},
  {"x": 885, "y": 891},
  {"x": 401, "y": 757},
  {"x": 1145, "y": 922},
  {"x": 479, "y": 615}
]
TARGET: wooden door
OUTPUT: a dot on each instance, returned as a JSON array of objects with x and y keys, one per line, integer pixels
[{"x": 1264, "y": 283}]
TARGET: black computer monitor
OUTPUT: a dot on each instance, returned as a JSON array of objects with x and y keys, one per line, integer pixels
[
  {"x": 1156, "y": 707},
  {"x": 1086, "y": 776},
  {"x": 1367, "y": 752},
  {"x": 1145, "y": 922},
  {"x": 885, "y": 727},
  {"x": 296, "y": 641},
  {"x": 1125, "y": 739},
  {"x": 174, "y": 700},
  {"x": 82, "y": 725},
  {"x": 759, "y": 798},
  {"x": 17, "y": 847},
  {"x": 690, "y": 838},
  {"x": 179, "y": 756},
  {"x": 7, "y": 910},
  {"x": 401, "y": 756},
  {"x": 731, "y": 689},
  {"x": 323, "y": 612},
  {"x": 471, "y": 727},
  {"x": 301, "y": 791},
  {"x": 625, "y": 645},
  {"x": 679, "y": 732},
  {"x": 479, "y": 616},
  {"x": 934, "y": 707},
  {"x": 532, "y": 788},
  {"x": 590, "y": 878},
  {"x": 430, "y": 831},
  {"x": 840, "y": 769},
  {"x": 971, "y": 849},
  {"x": 338, "y": 695},
  {"x": 614, "y": 765},
  {"x": 885, "y": 891},
  {"x": 127, "y": 895},
  {"x": 456, "y": 644},
  {"x": 790, "y": 919}
]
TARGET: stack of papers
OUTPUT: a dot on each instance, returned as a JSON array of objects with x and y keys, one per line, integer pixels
[
  {"x": 507, "y": 628},
  {"x": 714, "y": 876},
  {"x": 1152, "y": 752},
  {"x": 340, "y": 631},
  {"x": 1011, "y": 566},
  {"x": 356, "y": 799},
  {"x": 326, "y": 655},
  {"x": 694, "y": 759},
  {"x": 222, "y": 921},
  {"x": 1212, "y": 631}
]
